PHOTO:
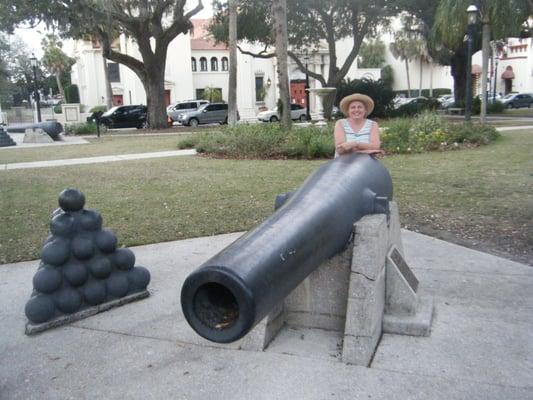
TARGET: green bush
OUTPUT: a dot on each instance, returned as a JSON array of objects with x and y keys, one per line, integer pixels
[
  {"x": 72, "y": 94},
  {"x": 58, "y": 109},
  {"x": 100, "y": 108},
  {"x": 263, "y": 141},
  {"x": 495, "y": 107},
  {"x": 87, "y": 128},
  {"x": 429, "y": 132}
]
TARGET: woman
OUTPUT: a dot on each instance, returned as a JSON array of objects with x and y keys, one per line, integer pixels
[{"x": 356, "y": 133}]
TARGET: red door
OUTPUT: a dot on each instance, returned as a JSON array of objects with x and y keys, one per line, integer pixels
[
  {"x": 167, "y": 97},
  {"x": 117, "y": 100},
  {"x": 298, "y": 92}
]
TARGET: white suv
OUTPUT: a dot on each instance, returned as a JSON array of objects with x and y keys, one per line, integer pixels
[
  {"x": 297, "y": 113},
  {"x": 183, "y": 107}
]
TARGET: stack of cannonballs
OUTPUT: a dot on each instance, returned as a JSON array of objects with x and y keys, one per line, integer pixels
[{"x": 81, "y": 266}]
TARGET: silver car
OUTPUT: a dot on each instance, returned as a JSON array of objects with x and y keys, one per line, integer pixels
[
  {"x": 175, "y": 110},
  {"x": 206, "y": 114}
]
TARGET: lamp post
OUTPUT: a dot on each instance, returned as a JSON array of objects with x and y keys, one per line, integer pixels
[
  {"x": 472, "y": 17},
  {"x": 306, "y": 60},
  {"x": 36, "y": 96}
]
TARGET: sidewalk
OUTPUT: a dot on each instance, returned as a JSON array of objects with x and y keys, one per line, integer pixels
[{"x": 481, "y": 345}]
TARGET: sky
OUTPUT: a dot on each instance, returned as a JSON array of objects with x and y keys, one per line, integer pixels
[{"x": 32, "y": 36}]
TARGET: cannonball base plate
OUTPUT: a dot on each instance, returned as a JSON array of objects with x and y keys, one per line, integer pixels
[{"x": 32, "y": 329}]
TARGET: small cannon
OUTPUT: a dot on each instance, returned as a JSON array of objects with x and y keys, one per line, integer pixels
[
  {"x": 234, "y": 290},
  {"x": 52, "y": 128}
]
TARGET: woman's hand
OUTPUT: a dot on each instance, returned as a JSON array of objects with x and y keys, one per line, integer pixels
[{"x": 346, "y": 147}]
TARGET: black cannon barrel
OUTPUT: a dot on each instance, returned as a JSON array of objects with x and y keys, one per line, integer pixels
[
  {"x": 234, "y": 290},
  {"x": 52, "y": 128}
]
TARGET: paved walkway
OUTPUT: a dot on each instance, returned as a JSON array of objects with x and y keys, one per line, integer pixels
[
  {"x": 481, "y": 343},
  {"x": 93, "y": 160}
]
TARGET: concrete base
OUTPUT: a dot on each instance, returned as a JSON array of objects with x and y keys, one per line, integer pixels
[
  {"x": 32, "y": 329},
  {"x": 37, "y": 136},
  {"x": 416, "y": 324}
]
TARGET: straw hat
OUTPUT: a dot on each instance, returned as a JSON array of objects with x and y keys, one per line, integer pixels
[{"x": 363, "y": 98}]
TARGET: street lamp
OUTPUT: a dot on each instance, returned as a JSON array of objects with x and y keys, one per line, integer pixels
[
  {"x": 36, "y": 96},
  {"x": 306, "y": 60},
  {"x": 472, "y": 17}
]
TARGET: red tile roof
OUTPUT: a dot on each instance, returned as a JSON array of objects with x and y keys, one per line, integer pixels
[{"x": 200, "y": 37}]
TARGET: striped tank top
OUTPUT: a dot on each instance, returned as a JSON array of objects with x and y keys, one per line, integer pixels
[{"x": 363, "y": 136}]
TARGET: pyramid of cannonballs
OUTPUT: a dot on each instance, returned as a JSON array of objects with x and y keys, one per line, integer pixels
[{"x": 81, "y": 266}]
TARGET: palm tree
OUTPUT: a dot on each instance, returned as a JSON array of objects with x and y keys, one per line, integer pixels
[
  {"x": 405, "y": 48},
  {"x": 55, "y": 60}
]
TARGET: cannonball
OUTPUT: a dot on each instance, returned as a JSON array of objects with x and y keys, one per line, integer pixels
[
  {"x": 40, "y": 309},
  {"x": 91, "y": 220},
  {"x": 71, "y": 200},
  {"x": 100, "y": 267},
  {"x": 83, "y": 247},
  {"x": 62, "y": 225},
  {"x": 55, "y": 252},
  {"x": 47, "y": 279},
  {"x": 117, "y": 285},
  {"x": 94, "y": 292},
  {"x": 75, "y": 273},
  {"x": 124, "y": 259},
  {"x": 68, "y": 300},
  {"x": 106, "y": 241},
  {"x": 138, "y": 277}
]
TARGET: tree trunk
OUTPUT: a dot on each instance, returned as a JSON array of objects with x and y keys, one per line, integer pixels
[
  {"x": 484, "y": 70},
  {"x": 420, "y": 77},
  {"x": 154, "y": 87},
  {"x": 279, "y": 11},
  {"x": 108, "y": 90},
  {"x": 232, "y": 86},
  {"x": 60, "y": 86},
  {"x": 431, "y": 78},
  {"x": 408, "y": 79},
  {"x": 327, "y": 103},
  {"x": 458, "y": 70}
]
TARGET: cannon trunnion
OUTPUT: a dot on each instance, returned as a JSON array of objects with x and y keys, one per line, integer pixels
[{"x": 234, "y": 290}]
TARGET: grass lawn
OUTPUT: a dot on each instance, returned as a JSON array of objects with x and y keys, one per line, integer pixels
[
  {"x": 481, "y": 197},
  {"x": 106, "y": 145}
]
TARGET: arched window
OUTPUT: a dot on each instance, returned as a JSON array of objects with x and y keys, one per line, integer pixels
[
  {"x": 203, "y": 64},
  {"x": 224, "y": 63},
  {"x": 214, "y": 64},
  {"x": 193, "y": 64}
]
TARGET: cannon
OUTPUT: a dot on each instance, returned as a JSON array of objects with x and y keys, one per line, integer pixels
[
  {"x": 52, "y": 128},
  {"x": 234, "y": 290}
]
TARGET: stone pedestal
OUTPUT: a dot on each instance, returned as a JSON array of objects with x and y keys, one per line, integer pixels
[
  {"x": 364, "y": 291},
  {"x": 37, "y": 136}
]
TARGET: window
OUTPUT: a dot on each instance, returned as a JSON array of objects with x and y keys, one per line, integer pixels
[
  {"x": 259, "y": 88},
  {"x": 203, "y": 64},
  {"x": 214, "y": 64},
  {"x": 113, "y": 72},
  {"x": 193, "y": 64},
  {"x": 224, "y": 63}
]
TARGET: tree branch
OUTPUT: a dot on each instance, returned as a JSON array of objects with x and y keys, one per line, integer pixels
[
  {"x": 312, "y": 74},
  {"x": 261, "y": 54}
]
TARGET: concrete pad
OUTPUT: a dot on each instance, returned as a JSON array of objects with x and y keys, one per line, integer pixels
[
  {"x": 62, "y": 141},
  {"x": 480, "y": 345}
]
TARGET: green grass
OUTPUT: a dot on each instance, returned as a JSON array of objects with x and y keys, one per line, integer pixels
[
  {"x": 106, "y": 145},
  {"x": 481, "y": 196}
]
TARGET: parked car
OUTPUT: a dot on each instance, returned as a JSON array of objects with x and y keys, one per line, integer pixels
[
  {"x": 183, "y": 107},
  {"x": 206, "y": 114},
  {"x": 517, "y": 100},
  {"x": 446, "y": 100},
  {"x": 134, "y": 116},
  {"x": 297, "y": 113}
]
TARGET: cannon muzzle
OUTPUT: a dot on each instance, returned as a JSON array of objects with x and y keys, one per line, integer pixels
[{"x": 234, "y": 290}]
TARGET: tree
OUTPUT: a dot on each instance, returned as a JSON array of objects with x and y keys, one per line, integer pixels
[
  {"x": 405, "y": 49},
  {"x": 311, "y": 24},
  {"x": 55, "y": 60},
  {"x": 232, "y": 86},
  {"x": 371, "y": 54},
  {"x": 212, "y": 94},
  {"x": 151, "y": 25},
  {"x": 279, "y": 11},
  {"x": 449, "y": 25}
]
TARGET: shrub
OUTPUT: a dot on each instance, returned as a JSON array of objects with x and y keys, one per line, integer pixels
[
  {"x": 72, "y": 94},
  {"x": 87, "y": 128},
  {"x": 58, "y": 109},
  {"x": 495, "y": 107},
  {"x": 429, "y": 132}
]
